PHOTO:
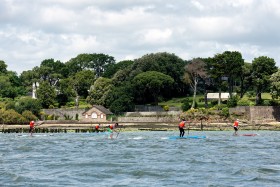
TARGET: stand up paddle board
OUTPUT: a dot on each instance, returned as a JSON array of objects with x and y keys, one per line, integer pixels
[
  {"x": 34, "y": 135},
  {"x": 248, "y": 135},
  {"x": 186, "y": 137}
]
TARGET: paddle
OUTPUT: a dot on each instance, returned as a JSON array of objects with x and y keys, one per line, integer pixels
[{"x": 118, "y": 132}]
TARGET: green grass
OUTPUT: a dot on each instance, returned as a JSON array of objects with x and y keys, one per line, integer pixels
[{"x": 177, "y": 102}]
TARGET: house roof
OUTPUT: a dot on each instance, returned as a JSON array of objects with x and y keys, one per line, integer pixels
[{"x": 100, "y": 108}]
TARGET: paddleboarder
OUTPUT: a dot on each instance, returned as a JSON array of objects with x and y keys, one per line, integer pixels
[
  {"x": 235, "y": 126},
  {"x": 181, "y": 127},
  {"x": 112, "y": 129},
  {"x": 31, "y": 127},
  {"x": 97, "y": 128}
]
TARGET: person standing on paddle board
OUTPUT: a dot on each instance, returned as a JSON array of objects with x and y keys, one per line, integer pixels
[
  {"x": 235, "y": 126},
  {"x": 181, "y": 127},
  {"x": 112, "y": 129},
  {"x": 31, "y": 127},
  {"x": 97, "y": 128}
]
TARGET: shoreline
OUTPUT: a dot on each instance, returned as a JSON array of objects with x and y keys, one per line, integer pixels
[{"x": 128, "y": 127}]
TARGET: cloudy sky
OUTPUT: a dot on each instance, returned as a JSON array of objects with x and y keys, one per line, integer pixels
[{"x": 34, "y": 30}]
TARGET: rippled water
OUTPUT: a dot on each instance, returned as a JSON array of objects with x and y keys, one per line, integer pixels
[{"x": 140, "y": 159}]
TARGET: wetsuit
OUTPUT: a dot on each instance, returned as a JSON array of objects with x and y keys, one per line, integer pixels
[
  {"x": 235, "y": 126},
  {"x": 31, "y": 126},
  {"x": 181, "y": 128},
  {"x": 97, "y": 128}
]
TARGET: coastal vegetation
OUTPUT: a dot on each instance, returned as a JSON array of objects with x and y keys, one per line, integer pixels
[{"x": 154, "y": 79}]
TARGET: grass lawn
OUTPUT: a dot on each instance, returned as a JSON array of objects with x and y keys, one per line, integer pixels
[{"x": 177, "y": 102}]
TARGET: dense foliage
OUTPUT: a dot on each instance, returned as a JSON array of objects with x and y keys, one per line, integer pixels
[{"x": 153, "y": 78}]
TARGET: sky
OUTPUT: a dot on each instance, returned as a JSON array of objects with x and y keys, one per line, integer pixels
[{"x": 34, "y": 30}]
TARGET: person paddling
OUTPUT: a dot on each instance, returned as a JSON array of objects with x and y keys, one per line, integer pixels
[
  {"x": 97, "y": 128},
  {"x": 112, "y": 129},
  {"x": 236, "y": 126},
  {"x": 181, "y": 127},
  {"x": 31, "y": 127}
]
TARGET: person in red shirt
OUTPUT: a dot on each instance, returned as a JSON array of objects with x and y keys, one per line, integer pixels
[
  {"x": 97, "y": 128},
  {"x": 181, "y": 127},
  {"x": 31, "y": 127},
  {"x": 236, "y": 126},
  {"x": 112, "y": 128}
]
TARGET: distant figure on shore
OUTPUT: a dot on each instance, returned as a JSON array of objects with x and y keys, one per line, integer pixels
[
  {"x": 97, "y": 128},
  {"x": 236, "y": 126},
  {"x": 112, "y": 129},
  {"x": 181, "y": 127},
  {"x": 31, "y": 127}
]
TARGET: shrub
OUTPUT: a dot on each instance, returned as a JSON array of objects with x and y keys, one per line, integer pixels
[
  {"x": 28, "y": 115},
  {"x": 270, "y": 103},
  {"x": 225, "y": 112},
  {"x": 166, "y": 108},
  {"x": 243, "y": 102},
  {"x": 232, "y": 102},
  {"x": 186, "y": 105}
]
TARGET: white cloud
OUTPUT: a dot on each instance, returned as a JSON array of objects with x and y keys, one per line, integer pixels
[{"x": 125, "y": 29}]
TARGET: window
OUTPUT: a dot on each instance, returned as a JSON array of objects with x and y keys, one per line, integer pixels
[
  {"x": 101, "y": 116},
  {"x": 94, "y": 115},
  {"x": 86, "y": 116}
]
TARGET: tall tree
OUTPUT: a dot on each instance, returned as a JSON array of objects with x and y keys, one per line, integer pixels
[
  {"x": 245, "y": 78},
  {"x": 216, "y": 69},
  {"x": 46, "y": 94},
  {"x": 51, "y": 71},
  {"x": 81, "y": 83},
  {"x": 3, "y": 66},
  {"x": 98, "y": 93},
  {"x": 113, "y": 68},
  {"x": 233, "y": 66},
  {"x": 263, "y": 67},
  {"x": 97, "y": 62},
  {"x": 193, "y": 72},
  {"x": 166, "y": 63},
  {"x": 152, "y": 83},
  {"x": 275, "y": 85}
]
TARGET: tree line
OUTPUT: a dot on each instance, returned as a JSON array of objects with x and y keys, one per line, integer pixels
[{"x": 98, "y": 79}]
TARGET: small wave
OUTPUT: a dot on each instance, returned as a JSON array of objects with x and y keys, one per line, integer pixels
[{"x": 138, "y": 138}]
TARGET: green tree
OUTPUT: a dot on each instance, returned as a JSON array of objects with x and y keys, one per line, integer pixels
[
  {"x": 166, "y": 63},
  {"x": 95, "y": 62},
  {"x": 66, "y": 91},
  {"x": 100, "y": 62},
  {"x": 29, "y": 116},
  {"x": 77, "y": 64},
  {"x": 245, "y": 78},
  {"x": 99, "y": 91},
  {"x": 81, "y": 83},
  {"x": 233, "y": 66},
  {"x": 275, "y": 85},
  {"x": 46, "y": 94},
  {"x": 262, "y": 69},
  {"x": 3, "y": 67},
  {"x": 28, "y": 104},
  {"x": 152, "y": 83},
  {"x": 6, "y": 88},
  {"x": 51, "y": 71},
  {"x": 113, "y": 68},
  {"x": 121, "y": 99},
  {"x": 12, "y": 117},
  {"x": 216, "y": 70}
]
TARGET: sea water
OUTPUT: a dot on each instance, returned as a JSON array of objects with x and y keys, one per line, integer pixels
[{"x": 140, "y": 159}]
